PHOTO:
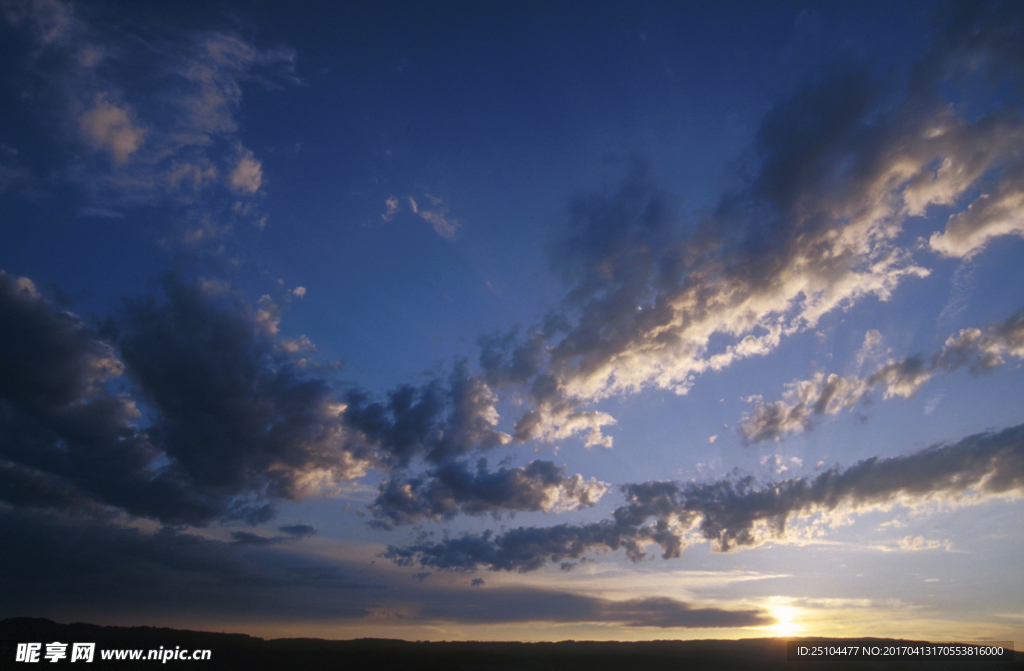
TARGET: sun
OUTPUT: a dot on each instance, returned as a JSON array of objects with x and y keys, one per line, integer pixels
[{"x": 787, "y": 624}]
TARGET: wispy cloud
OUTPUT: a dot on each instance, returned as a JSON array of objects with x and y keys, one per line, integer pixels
[
  {"x": 390, "y": 209},
  {"x": 438, "y": 216},
  {"x": 171, "y": 143},
  {"x": 805, "y": 400}
]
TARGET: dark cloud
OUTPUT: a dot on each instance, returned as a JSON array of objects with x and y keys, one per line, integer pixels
[
  {"x": 246, "y": 538},
  {"x": 224, "y": 420},
  {"x": 88, "y": 569},
  {"x": 440, "y": 421},
  {"x": 506, "y": 605},
  {"x": 228, "y": 421},
  {"x": 192, "y": 581},
  {"x": 293, "y": 533},
  {"x": 298, "y": 530},
  {"x": 454, "y": 488},
  {"x": 526, "y": 548},
  {"x": 68, "y": 440},
  {"x": 736, "y": 513},
  {"x": 231, "y": 408},
  {"x": 636, "y": 218},
  {"x": 665, "y": 612},
  {"x": 741, "y": 512}
]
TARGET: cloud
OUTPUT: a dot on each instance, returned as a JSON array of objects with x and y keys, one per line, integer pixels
[
  {"x": 527, "y": 549},
  {"x": 918, "y": 543},
  {"x": 12, "y": 173},
  {"x": 246, "y": 538},
  {"x": 180, "y": 575},
  {"x": 108, "y": 127},
  {"x": 438, "y": 217},
  {"x": 442, "y": 420},
  {"x": 531, "y": 605},
  {"x": 737, "y": 512},
  {"x": 665, "y": 612},
  {"x": 968, "y": 232},
  {"x": 445, "y": 492},
  {"x": 298, "y": 530},
  {"x": 69, "y": 442},
  {"x": 231, "y": 408},
  {"x": 224, "y": 419},
  {"x": 168, "y": 572},
  {"x": 162, "y": 112},
  {"x": 48, "y": 20},
  {"x": 224, "y": 422},
  {"x": 804, "y": 400},
  {"x": 293, "y": 533},
  {"x": 247, "y": 174},
  {"x": 390, "y": 209},
  {"x": 443, "y": 226},
  {"x": 840, "y": 166}
]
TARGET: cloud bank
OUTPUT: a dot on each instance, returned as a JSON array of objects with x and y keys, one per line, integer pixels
[
  {"x": 733, "y": 513},
  {"x": 224, "y": 418}
]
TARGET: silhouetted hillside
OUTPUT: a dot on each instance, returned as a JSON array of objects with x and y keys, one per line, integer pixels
[{"x": 242, "y": 652}]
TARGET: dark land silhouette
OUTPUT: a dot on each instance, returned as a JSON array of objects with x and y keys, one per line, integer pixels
[{"x": 243, "y": 652}]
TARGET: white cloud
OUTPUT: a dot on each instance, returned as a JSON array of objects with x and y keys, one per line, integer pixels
[
  {"x": 804, "y": 400},
  {"x": 917, "y": 543},
  {"x": 108, "y": 127},
  {"x": 969, "y": 232},
  {"x": 247, "y": 175},
  {"x": 390, "y": 209},
  {"x": 438, "y": 218},
  {"x": 446, "y": 228}
]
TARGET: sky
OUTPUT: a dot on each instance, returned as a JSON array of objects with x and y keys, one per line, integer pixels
[{"x": 514, "y": 321}]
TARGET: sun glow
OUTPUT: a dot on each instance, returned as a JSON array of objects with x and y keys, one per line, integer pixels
[{"x": 788, "y": 623}]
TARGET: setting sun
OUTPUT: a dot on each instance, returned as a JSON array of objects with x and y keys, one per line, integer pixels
[{"x": 788, "y": 623}]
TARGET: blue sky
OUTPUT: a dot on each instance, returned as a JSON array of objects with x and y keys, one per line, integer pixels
[{"x": 533, "y": 321}]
